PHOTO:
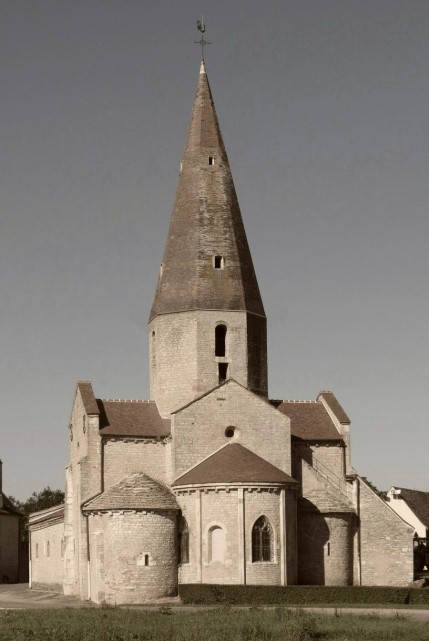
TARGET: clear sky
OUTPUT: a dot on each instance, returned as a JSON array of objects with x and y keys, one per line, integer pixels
[{"x": 323, "y": 106}]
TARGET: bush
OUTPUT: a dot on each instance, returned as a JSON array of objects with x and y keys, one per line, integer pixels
[{"x": 300, "y": 595}]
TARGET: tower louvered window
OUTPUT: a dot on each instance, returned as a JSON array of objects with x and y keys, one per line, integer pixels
[{"x": 262, "y": 540}]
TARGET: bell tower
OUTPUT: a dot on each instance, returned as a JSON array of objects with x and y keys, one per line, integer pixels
[{"x": 207, "y": 322}]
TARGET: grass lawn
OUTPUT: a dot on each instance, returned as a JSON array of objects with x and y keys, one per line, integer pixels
[{"x": 220, "y": 624}]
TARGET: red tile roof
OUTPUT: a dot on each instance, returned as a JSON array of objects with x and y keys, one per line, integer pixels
[
  {"x": 88, "y": 398},
  {"x": 137, "y": 491},
  {"x": 310, "y": 421},
  {"x": 234, "y": 464},
  {"x": 132, "y": 418},
  {"x": 334, "y": 406}
]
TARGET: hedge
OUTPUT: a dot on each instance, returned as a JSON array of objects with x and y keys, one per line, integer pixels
[{"x": 208, "y": 594}]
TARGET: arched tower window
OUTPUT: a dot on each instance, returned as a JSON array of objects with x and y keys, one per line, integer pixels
[
  {"x": 183, "y": 541},
  {"x": 216, "y": 545},
  {"x": 220, "y": 340},
  {"x": 262, "y": 540}
]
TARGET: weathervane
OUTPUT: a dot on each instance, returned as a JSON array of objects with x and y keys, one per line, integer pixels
[{"x": 201, "y": 27}]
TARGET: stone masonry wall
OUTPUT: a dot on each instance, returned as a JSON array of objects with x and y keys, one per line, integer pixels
[
  {"x": 222, "y": 508},
  {"x": 385, "y": 541},
  {"x": 47, "y": 557},
  {"x": 183, "y": 364},
  {"x": 128, "y": 538},
  {"x": 124, "y": 457},
  {"x": 199, "y": 430},
  {"x": 9, "y": 548}
]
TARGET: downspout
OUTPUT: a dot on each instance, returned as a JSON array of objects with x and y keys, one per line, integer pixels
[
  {"x": 30, "y": 577},
  {"x": 88, "y": 558},
  {"x": 359, "y": 546}
]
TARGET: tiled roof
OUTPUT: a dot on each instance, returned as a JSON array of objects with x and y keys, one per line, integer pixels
[
  {"x": 309, "y": 420},
  {"x": 206, "y": 222},
  {"x": 135, "y": 492},
  {"x": 334, "y": 406},
  {"x": 132, "y": 418},
  {"x": 325, "y": 502},
  {"x": 50, "y": 513},
  {"x": 88, "y": 398},
  {"x": 8, "y": 506},
  {"x": 233, "y": 464},
  {"x": 419, "y": 503}
]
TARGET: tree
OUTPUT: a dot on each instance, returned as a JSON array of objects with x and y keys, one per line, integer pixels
[{"x": 37, "y": 501}]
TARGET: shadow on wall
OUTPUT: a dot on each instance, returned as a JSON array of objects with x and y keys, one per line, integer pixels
[{"x": 313, "y": 541}]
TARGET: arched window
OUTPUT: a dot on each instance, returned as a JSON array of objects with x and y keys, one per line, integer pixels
[
  {"x": 183, "y": 541},
  {"x": 220, "y": 340},
  {"x": 146, "y": 559},
  {"x": 216, "y": 545},
  {"x": 262, "y": 540}
]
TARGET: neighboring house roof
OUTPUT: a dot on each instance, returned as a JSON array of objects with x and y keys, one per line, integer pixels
[
  {"x": 334, "y": 406},
  {"x": 310, "y": 420},
  {"x": 7, "y": 507},
  {"x": 418, "y": 502},
  {"x": 132, "y": 418},
  {"x": 135, "y": 492},
  {"x": 233, "y": 464},
  {"x": 325, "y": 502},
  {"x": 54, "y": 513}
]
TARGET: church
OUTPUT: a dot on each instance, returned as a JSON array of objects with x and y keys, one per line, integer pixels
[{"x": 211, "y": 480}]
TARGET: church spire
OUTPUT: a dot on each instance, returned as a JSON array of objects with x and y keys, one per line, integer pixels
[
  {"x": 207, "y": 323},
  {"x": 207, "y": 263}
]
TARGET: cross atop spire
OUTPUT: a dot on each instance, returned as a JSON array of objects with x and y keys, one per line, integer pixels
[{"x": 201, "y": 27}]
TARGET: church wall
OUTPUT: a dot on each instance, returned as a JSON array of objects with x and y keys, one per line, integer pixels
[
  {"x": 96, "y": 543},
  {"x": 47, "y": 557},
  {"x": 127, "y": 579},
  {"x": 331, "y": 456},
  {"x": 291, "y": 537},
  {"x": 199, "y": 429},
  {"x": 386, "y": 545},
  {"x": 9, "y": 548},
  {"x": 83, "y": 482},
  {"x": 325, "y": 548},
  {"x": 183, "y": 363},
  {"x": 208, "y": 509},
  {"x": 220, "y": 509},
  {"x": 263, "y": 503},
  {"x": 123, "y": 457}
]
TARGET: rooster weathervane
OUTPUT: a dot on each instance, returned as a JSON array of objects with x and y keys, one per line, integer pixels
[{"x": 201, "y": 27}]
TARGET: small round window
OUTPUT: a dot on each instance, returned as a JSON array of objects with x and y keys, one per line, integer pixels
[{"x": 229, "y": 432}]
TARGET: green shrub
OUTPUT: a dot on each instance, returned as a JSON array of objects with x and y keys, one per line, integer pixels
[{"x": 300, "y": 595}]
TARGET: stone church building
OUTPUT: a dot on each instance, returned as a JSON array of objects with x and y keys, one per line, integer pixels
[{"x": 211, "y": 481}]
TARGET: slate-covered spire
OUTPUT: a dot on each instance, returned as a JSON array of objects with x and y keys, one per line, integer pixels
[{"x": 207, "y": 263}]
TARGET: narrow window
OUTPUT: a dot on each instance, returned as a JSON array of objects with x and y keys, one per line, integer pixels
[
  {"x": 216, "y": 545},
  {"x": 211, "y": 160},
  {"x": 146, "y": 559},
  {"x": 219, "y": 262},
  {"x": 47, "y": 548},
  {"x": 183, "y": 541},
  {"x": 37, "y": 550},
  {"x": 223, "y": 370},
  {"x": 328, "y": 548},
  {"x": 220, "y": 340},
  {"x": 262, "y": 540}
]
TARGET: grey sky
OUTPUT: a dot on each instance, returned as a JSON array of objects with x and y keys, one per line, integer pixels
[{"x": 323, "y": 106}]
